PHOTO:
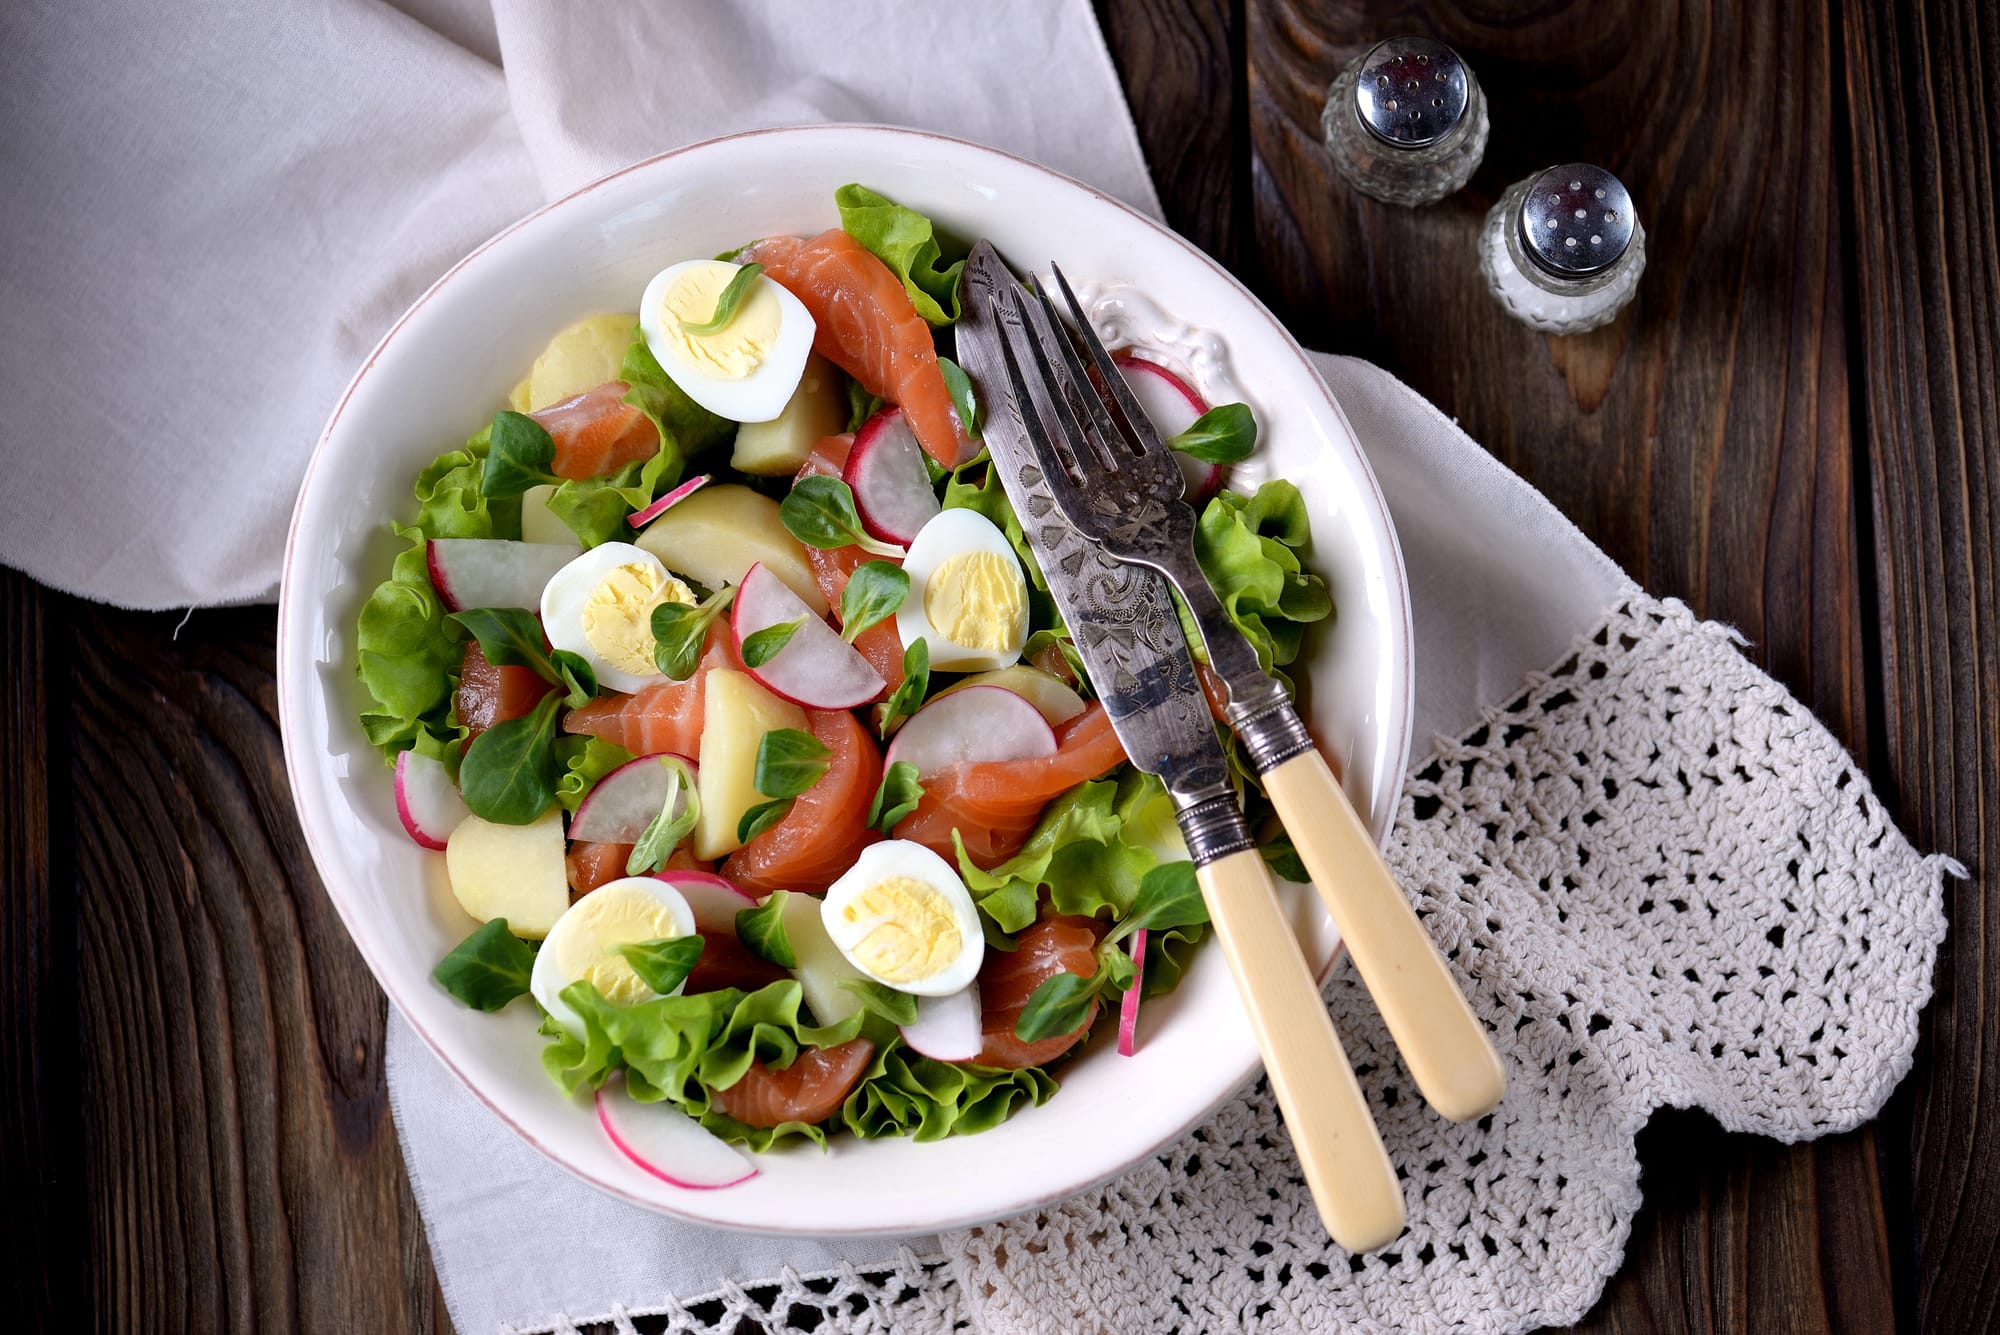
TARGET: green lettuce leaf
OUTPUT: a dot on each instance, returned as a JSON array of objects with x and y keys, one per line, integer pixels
[
  {"x": 975, "y": 485},
  {"x": 1249, "y": 547},
  {"x": 585, "y": 760},
  {"x": 686, "y": 428},
  {"x": 907, "y": 1094},
  {"x": 448, "y": 501},
  {"x": 906, "y": 241},
  {"x": 596, "y": 508},
  {"x": 407, "y": 655}
]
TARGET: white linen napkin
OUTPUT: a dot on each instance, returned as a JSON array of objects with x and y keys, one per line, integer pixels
[{"x": 207, "y": 235}]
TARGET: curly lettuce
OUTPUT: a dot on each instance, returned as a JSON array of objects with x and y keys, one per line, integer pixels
[
  {"x": 907, "y": 242},
  {"x": 686, "y": 428},
  {"x": 406, "y": 655},
  {"x": 585, "y": 759},
  {"x": 1249, "y": 547}
]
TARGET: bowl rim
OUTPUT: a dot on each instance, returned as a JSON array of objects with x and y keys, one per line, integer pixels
[{"x": 1400, "y": 739}]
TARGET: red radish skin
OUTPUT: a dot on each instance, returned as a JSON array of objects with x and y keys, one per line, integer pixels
[
  {"x": 1172, "y": 405},
  {"x": 669, "y": 1144},
  {"x": 667, "y": 502},
  {"x": 947, "y": 1028},
  {"x": 975, "y": 724},
  {"x": 885, "y": 471},
  {"x": 625, "y": 801},
  {"x": 493, "y": 572},
  {"x": 816, "y": 668},
  {"x": 427, "y": 800},
  {"x": 714, "y": 900},
  {"x": 1128, "y": 1007}
]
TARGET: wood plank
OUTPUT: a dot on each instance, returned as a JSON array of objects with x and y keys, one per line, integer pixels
[
  {"x": 1924, "y": 118},
  {"x": 41, "y": 1152},
  {"x": 242, "y": 1168}
]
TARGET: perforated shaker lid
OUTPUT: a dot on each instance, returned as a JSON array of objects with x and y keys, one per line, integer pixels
[
  {"x": 1576, "y": 220},
  {"x": 1411, "y": 91}
]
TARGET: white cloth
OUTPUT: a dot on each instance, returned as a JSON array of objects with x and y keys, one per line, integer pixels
[{"x": 214, "y": 210}]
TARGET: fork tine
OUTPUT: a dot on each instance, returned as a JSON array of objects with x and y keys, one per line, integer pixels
[
  {"x": 1058, "y": 469},
  {"x": 1047, "y": 341},
  {"x": 1133, "y": 420},
  {"x": 1105, "y": 436}
]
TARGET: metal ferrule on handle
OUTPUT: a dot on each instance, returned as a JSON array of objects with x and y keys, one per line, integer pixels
[
  {"x": 1270, "y": 730},
  {"x": 1213, "y": 828}
]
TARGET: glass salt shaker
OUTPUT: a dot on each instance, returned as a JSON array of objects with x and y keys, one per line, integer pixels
[
  {"x": 1563, "y": 250},
  {"x": 1406, "y": 122}
]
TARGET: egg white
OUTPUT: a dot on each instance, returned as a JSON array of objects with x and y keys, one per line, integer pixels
[
  {"x": 569, "y": 589},
  {"x": 902, "y": 858},
  {"x": 943, "y": 537},
  {"x": 759, "y": 396},
  {"x": 547, "y": 980}
]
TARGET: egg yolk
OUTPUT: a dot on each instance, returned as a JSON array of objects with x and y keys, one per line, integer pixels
[
  {"x": 977, "y": 600},
  {"x": 739, "y": 347},
  {"x": 618, "y": 615},
  {"x": 596, "y": 926},
  {"x": 914, "y": 933}
]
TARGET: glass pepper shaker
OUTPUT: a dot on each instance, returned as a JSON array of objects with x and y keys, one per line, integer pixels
[
  {"x": 1563, "y": 249},
  {"x": 1406, "y": 122}
]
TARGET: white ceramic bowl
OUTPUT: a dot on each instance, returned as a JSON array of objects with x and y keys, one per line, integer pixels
[{"x": 446, "y": 367}]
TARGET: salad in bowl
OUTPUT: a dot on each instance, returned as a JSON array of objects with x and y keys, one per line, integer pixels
[{"x": 718, "y": 677}]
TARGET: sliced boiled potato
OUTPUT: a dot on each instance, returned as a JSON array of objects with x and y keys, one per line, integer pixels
[
  {"x": 816, "y": 410},
  {"x": 539, "y": 523},
  {"x": 736, "y": 713},
  {"x": 580, "y": 358},
  {"x": 822, "y": 969},
  {"x": 510, "y": 871},
  {"x": 718, "y": 533}
]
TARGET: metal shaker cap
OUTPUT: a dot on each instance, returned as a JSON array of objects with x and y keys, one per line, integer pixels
[
  {"x": 1411, "y": 91},
  {"x": 1576, "y": 220}
]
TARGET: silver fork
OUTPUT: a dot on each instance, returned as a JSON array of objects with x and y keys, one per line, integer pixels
[{"x": 1119, "y": 485}]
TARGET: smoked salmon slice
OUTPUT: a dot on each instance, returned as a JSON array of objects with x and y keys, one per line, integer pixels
[
  {"x": 665, "y": 716},
  {"x": 488, "y": 694},
  {"x": 591, "y": 864},
  {"x": 867, "y": 327},
  {"x": 1006, "y": 981},
  {"x": 827, "y": 827},
  {"x": 994, "y": 804},
  {"x": 597, "y": 432},
  {"x": 833, "y": 566},
  {"x": 811, "y": 1089},
  {"x": 727, "y": 962}
]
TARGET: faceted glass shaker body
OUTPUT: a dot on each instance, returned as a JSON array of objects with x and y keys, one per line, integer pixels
[
  {"x": 1542, "y": 300},
  {"x": 1398, "y": 174}
]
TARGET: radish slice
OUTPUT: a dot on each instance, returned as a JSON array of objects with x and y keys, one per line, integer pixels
[
  {"x": 1128, "y": 1009},
  {"x": 714, "y": 900},
  {"x": 816, "y": 668},
  {"x": 947, "y": 1027},
  {"x": 885, "y": 470},
  {"x": 667, "y": 502},
  {"x": 427, "y": 799},
  {"x": 625, "y": 801},
  {"x": 975, "y": 723},
  {"x": 493, "y": 572},
  {"x": 668, "y": 1143},
  {"x": 1173, "y": 406}
]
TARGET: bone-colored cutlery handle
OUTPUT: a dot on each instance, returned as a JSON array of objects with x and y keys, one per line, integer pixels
[
  {"x": 1340, "y": 1151},
  {"x": 1442, "y": 1041}
]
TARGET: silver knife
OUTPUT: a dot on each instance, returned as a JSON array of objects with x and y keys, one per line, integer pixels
[{"x": 1126, "y": 632}]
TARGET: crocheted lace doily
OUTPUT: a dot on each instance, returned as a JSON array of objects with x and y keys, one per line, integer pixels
[{"x": 1662, "y": 882}]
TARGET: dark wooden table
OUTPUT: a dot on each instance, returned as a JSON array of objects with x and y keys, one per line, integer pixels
[{"x": 1796, "y": 428}]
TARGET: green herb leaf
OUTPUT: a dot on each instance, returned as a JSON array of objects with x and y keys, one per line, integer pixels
[
  {"x": 897, "y": 1008},
  {"x": 907, "y": 242},
  {"x": 508, "y": 636},
  {"x": 1283, "y": 859},
  {"x": 685, "y": 427},
  {"x": 762, "y": 931},
  {"x": 762, "y": 817},
  {"x": 789, "y": 762},
  {"x": 1225, "y": 434},
  {"x": 760, "y": 647},
  {"x": 1169, "y": 896},
  {"x": 909, "y": 697},
  {"x": 509, "y": 774},
  {"x": 520, "y": 454},
  {"x": 596, "y": 508},
  {"x": 897, "y": 796},
  {"x": 585, "y": 760},
  {"x": 726, "y": 304},
  {"x": 663, "y": 965},
  {"x": 680, "y": 629},
  {"x": 576, "y": 676},
  {"x": 488, "y": 969},
  {"x": 679, "y": 814},
  {"x": 875, "y": 591},
  {"x": 963, "y": 397},
  {"x": 1059, "y": 1006},
  {"x": 819, "y": 511},
  {"x": 861, "y": 405}
]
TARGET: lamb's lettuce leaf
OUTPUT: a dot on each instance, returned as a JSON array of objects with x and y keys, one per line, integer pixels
[{"x": 907, "y": 242}]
